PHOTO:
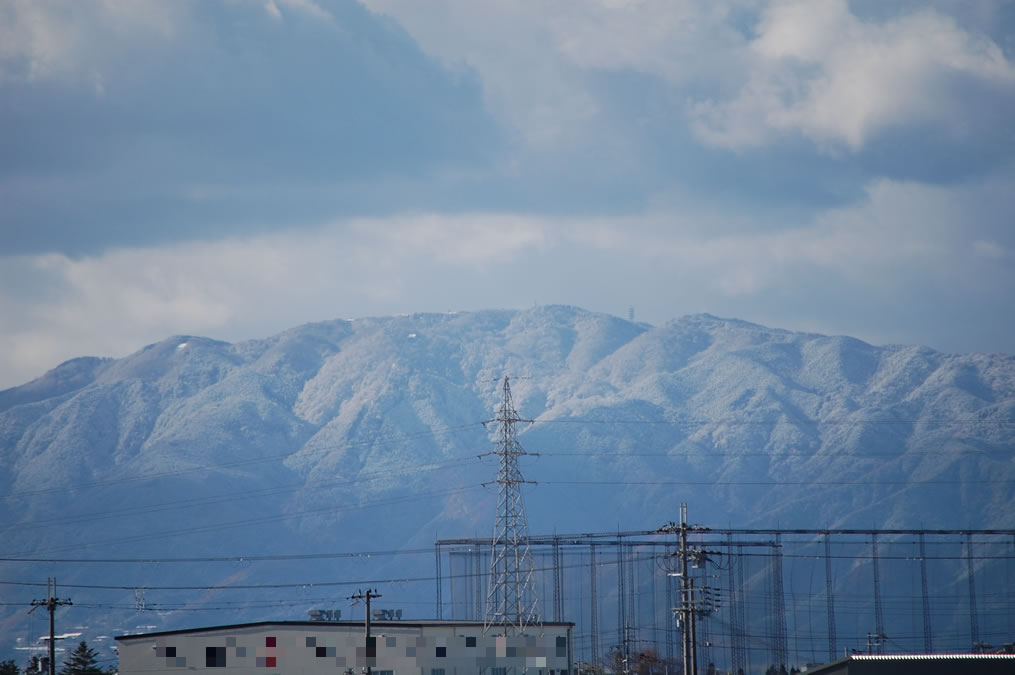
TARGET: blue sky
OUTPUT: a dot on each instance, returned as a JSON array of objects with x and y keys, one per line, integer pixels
[{"x": 235, "y": 168}]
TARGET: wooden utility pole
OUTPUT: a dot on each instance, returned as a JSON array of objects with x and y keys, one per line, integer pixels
[
  {"x": 368, "y": 596},
  {"x": 51, "y": 603}
]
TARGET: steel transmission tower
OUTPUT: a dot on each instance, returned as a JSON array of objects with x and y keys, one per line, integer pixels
[{"x": 511, "y": 601}]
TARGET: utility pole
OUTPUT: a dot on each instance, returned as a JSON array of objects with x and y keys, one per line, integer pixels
[
  {"x": 368, "y": 596},
  {"x": 875, "y": 640},
  {"x": 692, "y": 618},
  {"x": 688, "y": 607},
  {"x": 51, "y": 603},
  {"x": 686, "y": 610}
]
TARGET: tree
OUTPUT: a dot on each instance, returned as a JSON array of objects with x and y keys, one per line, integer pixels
[
  {"x": 81, "y": 662},
  {"x": 646, "y": 662},
  {"x": 9, "y": 668},
  {"x": 34, "y": 665}
]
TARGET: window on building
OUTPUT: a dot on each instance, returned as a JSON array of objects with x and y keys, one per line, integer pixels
[
  {"x": 215, "y": 657},
  {"x": 436, "y": 671},
  {"x": 498, "y": 671}
]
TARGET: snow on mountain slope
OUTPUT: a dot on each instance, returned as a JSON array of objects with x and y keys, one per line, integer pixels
[
  {"x": 321, "y": 397},
  {"x": 354, "y": 435}
]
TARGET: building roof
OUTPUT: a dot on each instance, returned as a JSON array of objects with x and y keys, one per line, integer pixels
[
  {"x": 836, "y": 665},
  {"x": 323, "y": 624},
  {"x": 928, "y": 657}
]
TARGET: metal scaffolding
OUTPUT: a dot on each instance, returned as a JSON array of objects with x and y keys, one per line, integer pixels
[{"x": 748, "y": 601}]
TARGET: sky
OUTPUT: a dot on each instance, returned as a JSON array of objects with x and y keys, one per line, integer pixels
[{"x": 234, "y": 168}]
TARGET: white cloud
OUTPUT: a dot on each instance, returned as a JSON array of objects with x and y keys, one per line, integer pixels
[
  {"x": 677, "y": 40},
  {"x": 114, "y": 303},
  {"x": 902, "y": 240},
  {"x": 308, "y": 7},
  {"x": 813, "y": 69},
  {"x": 468, "y": 239},
  {"x": 901, "y": 235},
  {"x": 534, "y": 58},
  {"x": 990, "y": 250},
  {"x": 820, "y": 71},
  {"x": 79, "y": 41},
  {"x": 272, "y": 9}
]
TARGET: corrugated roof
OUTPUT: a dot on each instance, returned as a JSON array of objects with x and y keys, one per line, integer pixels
[
  {"x": 930, "y": 657},
  {"x": 321, "y": 625}
]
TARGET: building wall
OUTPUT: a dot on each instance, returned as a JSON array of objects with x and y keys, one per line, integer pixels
[{"x": 311, "y": 648}]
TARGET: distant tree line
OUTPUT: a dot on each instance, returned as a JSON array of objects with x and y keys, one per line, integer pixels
[{"x": 82, "y": 661}]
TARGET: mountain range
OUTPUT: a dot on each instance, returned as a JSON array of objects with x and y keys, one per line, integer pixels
[{"x": 373, "y": 435}]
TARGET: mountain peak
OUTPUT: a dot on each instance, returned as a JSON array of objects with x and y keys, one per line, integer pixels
[{"x": 364, "y": 434}]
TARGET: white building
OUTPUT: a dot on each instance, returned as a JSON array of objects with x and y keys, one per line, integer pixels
[{"x": 341, "y": 648}]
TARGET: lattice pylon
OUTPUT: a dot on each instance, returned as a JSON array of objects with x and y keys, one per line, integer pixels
[{"x": 512, "y": 604}]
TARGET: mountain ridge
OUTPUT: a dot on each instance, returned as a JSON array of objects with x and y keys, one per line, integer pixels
[{"x": 369, "y": 433}]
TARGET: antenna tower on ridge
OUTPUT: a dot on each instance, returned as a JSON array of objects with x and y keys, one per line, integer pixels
[{"x": 511, "y": 601}]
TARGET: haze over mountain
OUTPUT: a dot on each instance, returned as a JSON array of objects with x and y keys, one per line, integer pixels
[{"x": 367, "y": 435}]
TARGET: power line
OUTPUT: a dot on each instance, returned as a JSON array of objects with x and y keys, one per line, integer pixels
[
  {"x": 230, "y": 559},
  {"x": 252, "y": 521},
  {"x": 188, "y": 503},
  {"x": 235, "y": 587},
  {"x": 986, "y": 481},
  {"x": 820, "y": 454},
  {"x": 704, "y": 421},
  {"x": 242, "y": 462},
  {"x": 402, "y": 438}
]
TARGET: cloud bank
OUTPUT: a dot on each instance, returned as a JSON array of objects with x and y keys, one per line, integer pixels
[{"x": 236, "y": 168}]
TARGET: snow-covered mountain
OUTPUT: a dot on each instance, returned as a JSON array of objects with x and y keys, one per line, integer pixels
[{"x": 365, "y": 435}]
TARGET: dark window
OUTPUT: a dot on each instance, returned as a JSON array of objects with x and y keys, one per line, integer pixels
[
  {"x": 436, "y": 671},
  {"x": 171, "y": 652},
  {"x": 269, "y": 642},
  {"x": 442, "y": 652},
  {"x": 322, "y": 652},
  {"x": 311, "y": 641},
  {"x": 215, "y": 657},
  {"x": 470, "y": 641}
]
